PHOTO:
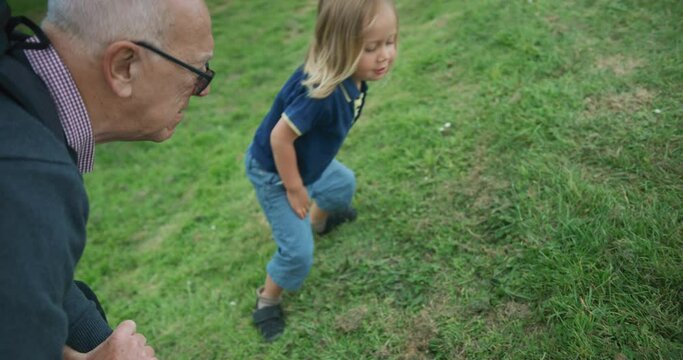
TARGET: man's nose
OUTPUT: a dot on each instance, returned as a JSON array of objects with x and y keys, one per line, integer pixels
[{"x": 206, "y": 91}]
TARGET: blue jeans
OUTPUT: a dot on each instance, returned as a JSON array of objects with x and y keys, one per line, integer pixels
[{"x": 293, "y": 259}]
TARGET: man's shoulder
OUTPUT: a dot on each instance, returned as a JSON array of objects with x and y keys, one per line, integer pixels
[{"x": 24, "y": 137}]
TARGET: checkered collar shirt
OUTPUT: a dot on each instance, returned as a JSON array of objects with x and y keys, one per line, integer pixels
[{"x": 70, "y": 107}]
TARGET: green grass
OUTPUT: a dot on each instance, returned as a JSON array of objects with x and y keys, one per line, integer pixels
[{"x": 546, "y": 224}]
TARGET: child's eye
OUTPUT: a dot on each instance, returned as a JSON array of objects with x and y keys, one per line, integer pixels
[{"x": 370, "y": 49}]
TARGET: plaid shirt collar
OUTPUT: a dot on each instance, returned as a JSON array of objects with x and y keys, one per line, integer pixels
[{"x": 70, "y": 107}]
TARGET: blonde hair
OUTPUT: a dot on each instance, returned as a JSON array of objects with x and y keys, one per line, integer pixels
[{"x": 337, "y": 44}]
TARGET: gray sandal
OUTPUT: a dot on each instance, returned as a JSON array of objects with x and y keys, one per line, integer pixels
[{"x": 270, "y": 321}]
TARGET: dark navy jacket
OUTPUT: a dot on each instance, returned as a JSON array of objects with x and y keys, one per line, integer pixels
[{"x": 43, "y": 216}]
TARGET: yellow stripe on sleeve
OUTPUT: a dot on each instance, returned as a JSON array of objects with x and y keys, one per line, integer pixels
[{"x": 291, "y": 124}]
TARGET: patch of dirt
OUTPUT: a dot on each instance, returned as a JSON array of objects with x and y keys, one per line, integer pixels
[
  {"x": 467, "y": 199},
  {"x": 383, "y": 353},
  {"x": 414, "y": 355},
  {"x": 556, "y": 25},
  {"x": 618, "y": 64},
  {"x": 535, "y": 330},
  {"x": 477, "y": 177},
  {"x": 515, "y": 310},
  {"x": 422, "y": 331},
  {"x": 507, "y": 312},
  {"x": 442, "y": 301},
  {"x": 480, "y": 186},
  {"x": 625, "y": 102},
  {"x": 352, "y": 319}
]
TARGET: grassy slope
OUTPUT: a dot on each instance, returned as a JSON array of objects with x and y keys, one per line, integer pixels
[{"x": 546, "y": 223}]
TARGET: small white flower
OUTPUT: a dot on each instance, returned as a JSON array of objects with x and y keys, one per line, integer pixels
[
  {"x": 447, "y": 125},
  {"x": 233, "y": 303},
  {"x": 658, "y": 111},
  {"x": 441, "y": 129}
]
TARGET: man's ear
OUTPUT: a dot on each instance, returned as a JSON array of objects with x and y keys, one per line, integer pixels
[{"x": 121, "y": 65}]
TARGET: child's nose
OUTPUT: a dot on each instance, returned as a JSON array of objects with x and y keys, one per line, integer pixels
[{"x": 385, "y": 53}]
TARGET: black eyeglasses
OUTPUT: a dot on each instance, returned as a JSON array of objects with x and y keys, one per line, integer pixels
[{"x": 203, "y": 77}]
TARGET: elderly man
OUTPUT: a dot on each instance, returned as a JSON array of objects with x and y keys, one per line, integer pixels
[{"x": 98, "y": 71}]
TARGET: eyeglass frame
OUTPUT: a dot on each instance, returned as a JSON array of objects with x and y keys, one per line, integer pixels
[{"x": 203, "y": 77}]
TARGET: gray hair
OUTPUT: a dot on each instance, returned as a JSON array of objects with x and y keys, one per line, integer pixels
[{"x": 98, "y": 23}]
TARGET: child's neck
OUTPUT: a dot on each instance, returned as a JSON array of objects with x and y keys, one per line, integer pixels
[{"x": 358, "y": 82}]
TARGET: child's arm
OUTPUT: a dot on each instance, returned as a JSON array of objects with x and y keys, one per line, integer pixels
[{"x": 282, "y": 142}]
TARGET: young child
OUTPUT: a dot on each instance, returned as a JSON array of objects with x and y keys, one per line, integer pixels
[{"x": 292, "y": 157}]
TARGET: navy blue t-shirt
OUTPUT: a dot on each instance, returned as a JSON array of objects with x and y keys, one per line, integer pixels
[{"x": 322, "y": 124}]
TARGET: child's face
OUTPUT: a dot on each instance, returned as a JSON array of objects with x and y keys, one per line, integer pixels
[{"x": 379, "y": 48}]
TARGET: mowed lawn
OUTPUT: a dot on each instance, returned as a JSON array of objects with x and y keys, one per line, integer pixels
[{"x": 544, "y": 223}]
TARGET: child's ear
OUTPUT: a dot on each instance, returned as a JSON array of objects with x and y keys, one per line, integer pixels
[{"x": 121, "y": 66}]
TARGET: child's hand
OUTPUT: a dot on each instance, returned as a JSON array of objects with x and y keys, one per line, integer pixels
[{"x": 298, "y": 200}]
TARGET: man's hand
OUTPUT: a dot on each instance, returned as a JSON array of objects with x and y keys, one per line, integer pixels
[
  {"x": 298, "y": 200},
  {"x": 123, "y": 344}
]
